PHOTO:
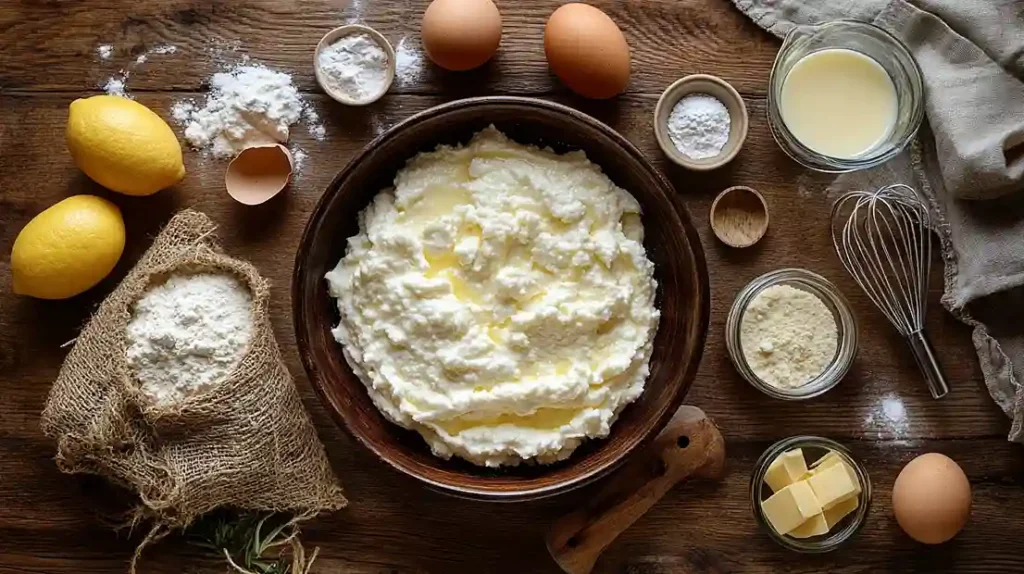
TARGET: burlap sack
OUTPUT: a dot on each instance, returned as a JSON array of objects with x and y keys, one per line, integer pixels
[{"x": 246, "y": 443}]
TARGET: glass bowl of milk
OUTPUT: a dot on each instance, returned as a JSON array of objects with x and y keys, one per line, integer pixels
[{"x": 844, "y": 96}]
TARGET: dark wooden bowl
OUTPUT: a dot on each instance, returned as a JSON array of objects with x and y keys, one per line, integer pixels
[{"x": 671, "y": 241}]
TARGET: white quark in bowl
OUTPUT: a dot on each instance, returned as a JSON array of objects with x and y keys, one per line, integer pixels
[
  {"x": 188, "y": 333},
  {"x": 498, "y": 300}
]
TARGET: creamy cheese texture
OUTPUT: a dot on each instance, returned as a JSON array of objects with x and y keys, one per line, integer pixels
[{"x": 498, "y": 300}]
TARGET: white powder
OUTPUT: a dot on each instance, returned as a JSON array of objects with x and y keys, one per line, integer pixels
[
  {"x": 355, "y": 11},
  {"x": 247, "y": 105},
  {"x": 188, "y": 333},
  {"x": 889, "y": 416},
  {"x": 355, "y": 66},
  {"x": 788, "y": 336},
  {"x": 182, "y": 111},
  {"x": 699, "y": 126},
  {"x": 298, "y": 158},
  {"x": 316, "y": 128},
  {"x": 117, "y": 85},
  {"x": 163, "y": 49},
  {"x": 408, "y": 62},
  {"x": 105, "y": 51}
]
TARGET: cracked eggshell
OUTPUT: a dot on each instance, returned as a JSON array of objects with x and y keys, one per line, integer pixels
[{"x": 258, "y": 173}]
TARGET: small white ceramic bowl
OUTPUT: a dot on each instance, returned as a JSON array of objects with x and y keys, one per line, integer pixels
[
  {"x": 724, "y": 92},
  {"x": 338, "y": 33}
]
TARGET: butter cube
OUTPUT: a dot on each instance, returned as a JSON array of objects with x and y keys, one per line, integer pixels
[
  {"x": 831, "y": 459},
  {"x": 826, "y": 461},
  {"x": 823, "y": 523},
  {"x": 833, "y": 485},
  {"x": 815, "y": 526},
  {"x": 840, "y": 510},
  {"x": 791, "y": 507},
  {"x": 786, "y": 469}
]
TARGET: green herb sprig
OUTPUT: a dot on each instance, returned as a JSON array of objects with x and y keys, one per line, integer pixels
[{"x": 253, "y": 544}]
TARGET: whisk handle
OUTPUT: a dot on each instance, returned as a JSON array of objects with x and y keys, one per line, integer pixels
[{"x": 924, "y": 355}]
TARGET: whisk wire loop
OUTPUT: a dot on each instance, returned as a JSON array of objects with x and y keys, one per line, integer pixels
[{"x": 885, "y": 243}]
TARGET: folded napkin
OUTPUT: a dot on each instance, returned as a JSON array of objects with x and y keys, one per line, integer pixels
[{"x": 968, "y": 159}]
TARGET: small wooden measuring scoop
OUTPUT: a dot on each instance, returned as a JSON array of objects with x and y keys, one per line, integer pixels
[{"x": 689, "y": 446}]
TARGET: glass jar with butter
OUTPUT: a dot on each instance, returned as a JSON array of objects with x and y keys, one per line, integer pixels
[
  {"x": 844, "y": 96},
  {"x": 814, "y": 490}
]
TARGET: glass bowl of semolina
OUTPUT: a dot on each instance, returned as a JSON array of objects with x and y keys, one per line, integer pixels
[{"x": 833, "y": 368}]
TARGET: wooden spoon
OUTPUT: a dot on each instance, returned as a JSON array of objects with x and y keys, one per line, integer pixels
[{"x": 689, "y": 446}]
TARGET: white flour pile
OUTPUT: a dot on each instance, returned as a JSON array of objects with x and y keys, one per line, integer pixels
[
  {"x": 104, "y": 51},
  {"x": 247, "y": 105},
  {"x": 355, "y": 66},
  {"x": 699, "y": 126},
  {"x": 188, "y": 333}
]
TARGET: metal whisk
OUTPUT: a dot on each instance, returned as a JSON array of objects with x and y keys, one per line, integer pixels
[{"x": 884, "y": 238}]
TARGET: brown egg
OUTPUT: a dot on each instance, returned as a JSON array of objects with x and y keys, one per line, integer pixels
[
  {"x": 587, "y": 51},
  {"x": 931, "y": 498},
  {"x": 461, "y": 34}
]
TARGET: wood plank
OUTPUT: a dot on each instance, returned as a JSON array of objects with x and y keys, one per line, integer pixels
[
  {"x": 669, "y": 39},
  {"x": 696, "y": 528}
]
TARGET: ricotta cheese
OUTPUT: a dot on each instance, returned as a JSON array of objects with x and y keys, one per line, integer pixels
[
  {"x": 498, "y": 300},
  {"x": 788, "y": 336}
]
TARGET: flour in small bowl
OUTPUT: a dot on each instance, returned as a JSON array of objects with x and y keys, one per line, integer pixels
[
  {"x": 699, "y": 126},
  {"x": 188, "y": 333},
  {"x": 355, "y": 66}
]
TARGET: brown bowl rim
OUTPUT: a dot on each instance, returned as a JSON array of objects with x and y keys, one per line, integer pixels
[{"x": 687, "y": 378}]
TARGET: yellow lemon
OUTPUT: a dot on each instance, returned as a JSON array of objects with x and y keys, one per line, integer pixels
[
  {"x": 67, "y": 248},
  {"x": 123, "y": 145}
]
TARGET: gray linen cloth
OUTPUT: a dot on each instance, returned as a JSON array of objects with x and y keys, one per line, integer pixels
[{"x": 968, "y": 159}]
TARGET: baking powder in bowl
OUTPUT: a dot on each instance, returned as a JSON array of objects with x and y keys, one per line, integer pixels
[
  {"x": 355, "y": 65},
  {"x": 498, "y": 300},
  {"x": 788, "y": 336},
  {"x": 699, "y": 126}
]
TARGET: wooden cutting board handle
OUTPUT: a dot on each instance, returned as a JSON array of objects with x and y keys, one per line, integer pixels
[{"x": 689, "y": 446}]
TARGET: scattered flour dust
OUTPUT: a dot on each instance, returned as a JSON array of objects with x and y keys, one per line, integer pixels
[
  {"x": 889, "y": 417},
  {"x": 188, "y": 334},
  {"x": 408, "y": 62},
  {"x": 298, "y": 158},
  {"x": 247, "y": 105},
  {"x": 354, "y": 11},
  {"x": 118, "y": 85},
  {"x": 105, "y": 51},
  {"x": 316, "y": 128}
]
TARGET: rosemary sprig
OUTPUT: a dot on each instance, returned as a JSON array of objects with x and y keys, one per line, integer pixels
[{"x": 252, "y": 544}]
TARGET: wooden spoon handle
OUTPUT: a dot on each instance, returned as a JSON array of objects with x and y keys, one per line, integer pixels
[{"x": 690, "y": 445}]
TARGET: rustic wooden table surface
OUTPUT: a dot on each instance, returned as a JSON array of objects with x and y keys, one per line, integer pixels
[{"x": 50, "y": 522}]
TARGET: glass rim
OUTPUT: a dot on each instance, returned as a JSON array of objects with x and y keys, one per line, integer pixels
[
  {"x": 820, "y": 162},
  {"x": 808, "y": 546}
]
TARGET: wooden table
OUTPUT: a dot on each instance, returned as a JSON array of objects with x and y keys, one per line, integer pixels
[{"x": 50, "y": 522}]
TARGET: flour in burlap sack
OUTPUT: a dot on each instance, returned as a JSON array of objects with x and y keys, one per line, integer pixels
[{"x": 245, "y": 443}]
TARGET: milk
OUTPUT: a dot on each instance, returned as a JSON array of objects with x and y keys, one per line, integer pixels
[{"x": 839, "y": 103}]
